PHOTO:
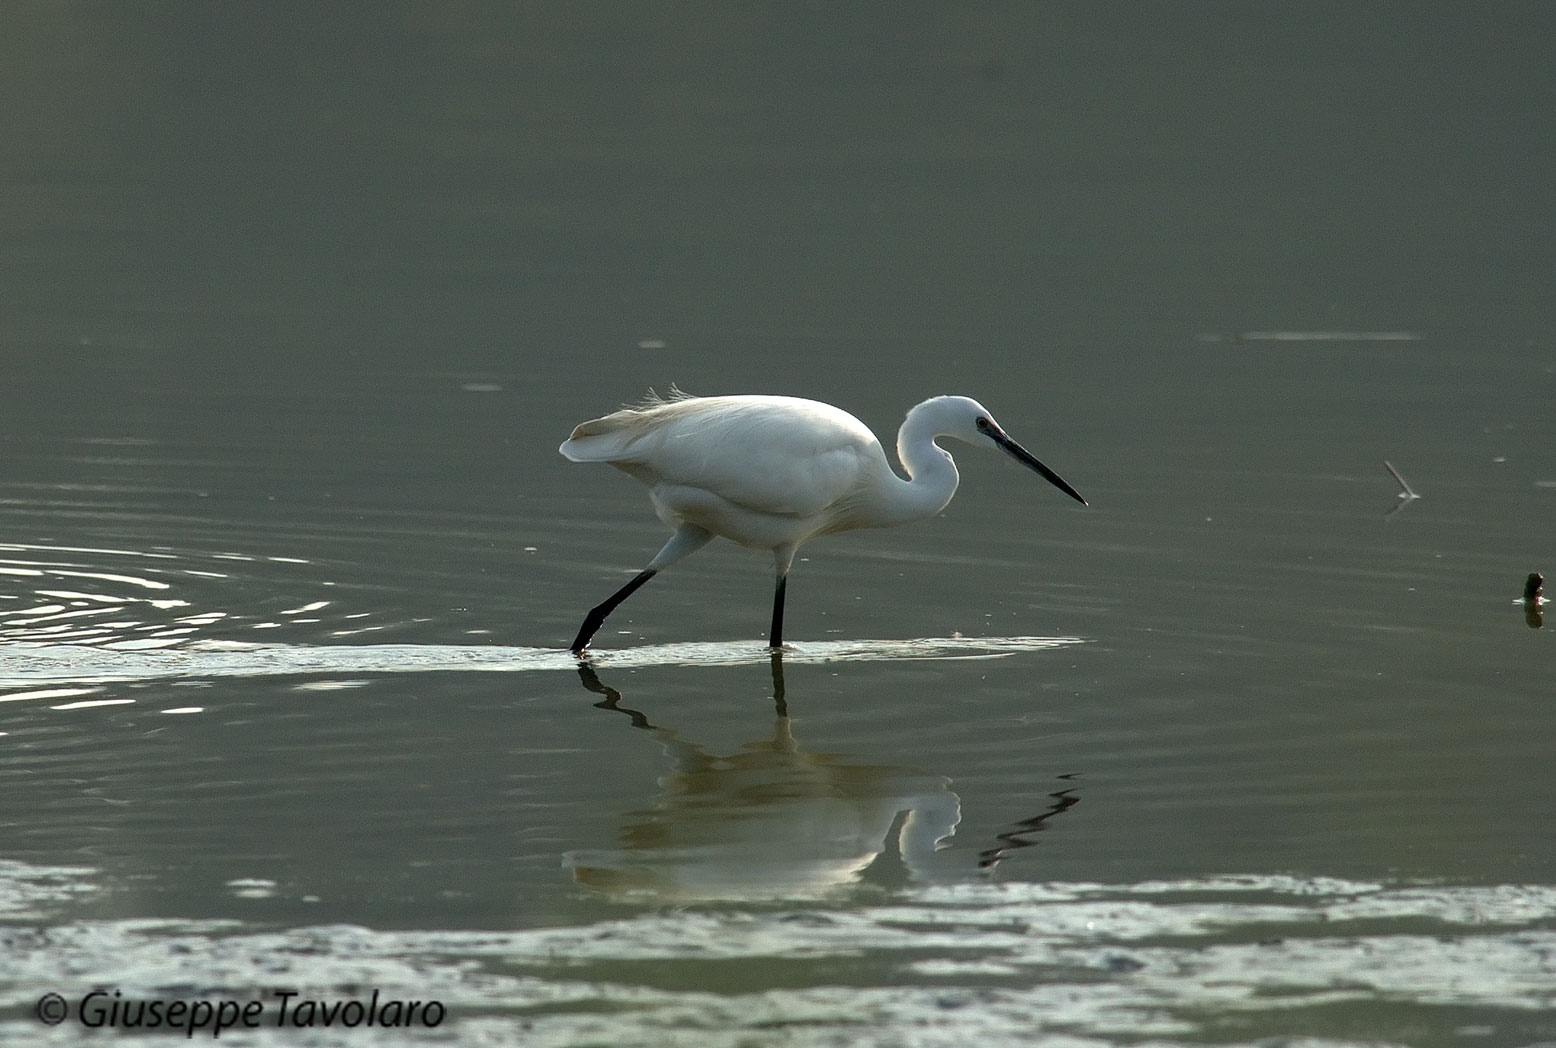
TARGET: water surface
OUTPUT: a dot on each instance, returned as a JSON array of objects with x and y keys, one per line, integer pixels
[{"x": 1249, "y": 749}]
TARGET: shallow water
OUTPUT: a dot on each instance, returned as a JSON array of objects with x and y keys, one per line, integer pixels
[{"x": 1251, "y": 749}]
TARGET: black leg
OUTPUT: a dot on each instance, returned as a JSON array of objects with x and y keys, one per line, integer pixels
[
  {"x": 780, "y": 706},
  {"x": 775, "y": 637},
  {"x": 596, "y": 617}
]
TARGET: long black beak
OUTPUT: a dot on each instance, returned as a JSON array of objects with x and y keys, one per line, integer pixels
[{"x": 1026, "y": 458}]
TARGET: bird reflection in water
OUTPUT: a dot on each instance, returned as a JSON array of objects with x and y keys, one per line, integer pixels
[
  {"x": 774, "y": 822},
  {"x": 769, "y": 821}
]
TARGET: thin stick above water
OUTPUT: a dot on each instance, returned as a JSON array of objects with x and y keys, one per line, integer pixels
[{"x": 1408, "y": 493}]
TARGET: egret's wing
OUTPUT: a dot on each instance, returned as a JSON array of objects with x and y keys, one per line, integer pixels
[
  {"x": 768, "y": 454},
  {"x": 768, "y": 480}
]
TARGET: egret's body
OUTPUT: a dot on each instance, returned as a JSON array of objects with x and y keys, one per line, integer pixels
[{"x": 773, "y": 472}]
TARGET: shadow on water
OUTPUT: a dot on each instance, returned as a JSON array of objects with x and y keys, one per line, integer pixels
[{"x": 772, "y": 821}]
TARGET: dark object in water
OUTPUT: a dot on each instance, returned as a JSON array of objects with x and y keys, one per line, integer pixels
[{"x": 1532, "y": 600}]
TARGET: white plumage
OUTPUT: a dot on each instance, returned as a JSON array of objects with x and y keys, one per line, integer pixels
[{"x": 772, "y": 472}]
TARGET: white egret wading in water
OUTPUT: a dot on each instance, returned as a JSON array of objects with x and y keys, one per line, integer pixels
[{"x": 773, "y": 472}]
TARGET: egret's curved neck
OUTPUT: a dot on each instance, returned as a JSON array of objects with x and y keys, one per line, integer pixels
[{"x": 931, "y": 473}]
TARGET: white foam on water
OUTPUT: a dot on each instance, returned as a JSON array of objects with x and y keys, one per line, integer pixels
[
  {"x": 29, "y": 665},
  {"x": 974, "y": 963}
]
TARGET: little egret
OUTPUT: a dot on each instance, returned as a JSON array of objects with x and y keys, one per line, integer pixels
[{"x": 773, "y": 472}]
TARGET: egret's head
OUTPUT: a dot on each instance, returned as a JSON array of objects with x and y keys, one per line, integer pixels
[{"x": 965, "y": 419}]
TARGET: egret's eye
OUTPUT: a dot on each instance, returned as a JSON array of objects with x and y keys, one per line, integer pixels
[{"x": 982, "y": 423}]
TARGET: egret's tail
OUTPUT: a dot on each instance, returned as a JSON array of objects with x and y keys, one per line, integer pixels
[
  {"x": 600, "y": 439},
  {"x": 611, "y": 438}
]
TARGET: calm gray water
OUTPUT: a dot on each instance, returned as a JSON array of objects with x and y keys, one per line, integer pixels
[{"x": 299, "y": 304}]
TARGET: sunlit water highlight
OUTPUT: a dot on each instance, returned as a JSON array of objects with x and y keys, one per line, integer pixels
[
  {"x": 24, "y": 665},
  {"x": 1228, "y": 959},
  {"x": 150, "y": 616}
]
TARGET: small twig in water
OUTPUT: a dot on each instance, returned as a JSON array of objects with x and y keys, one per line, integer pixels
[{"x": 1408, "y": 493}]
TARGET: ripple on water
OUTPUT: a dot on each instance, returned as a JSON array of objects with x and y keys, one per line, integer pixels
[
  {"x": 129, "y": 599},
  {"x": 87, "y": 603}
]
